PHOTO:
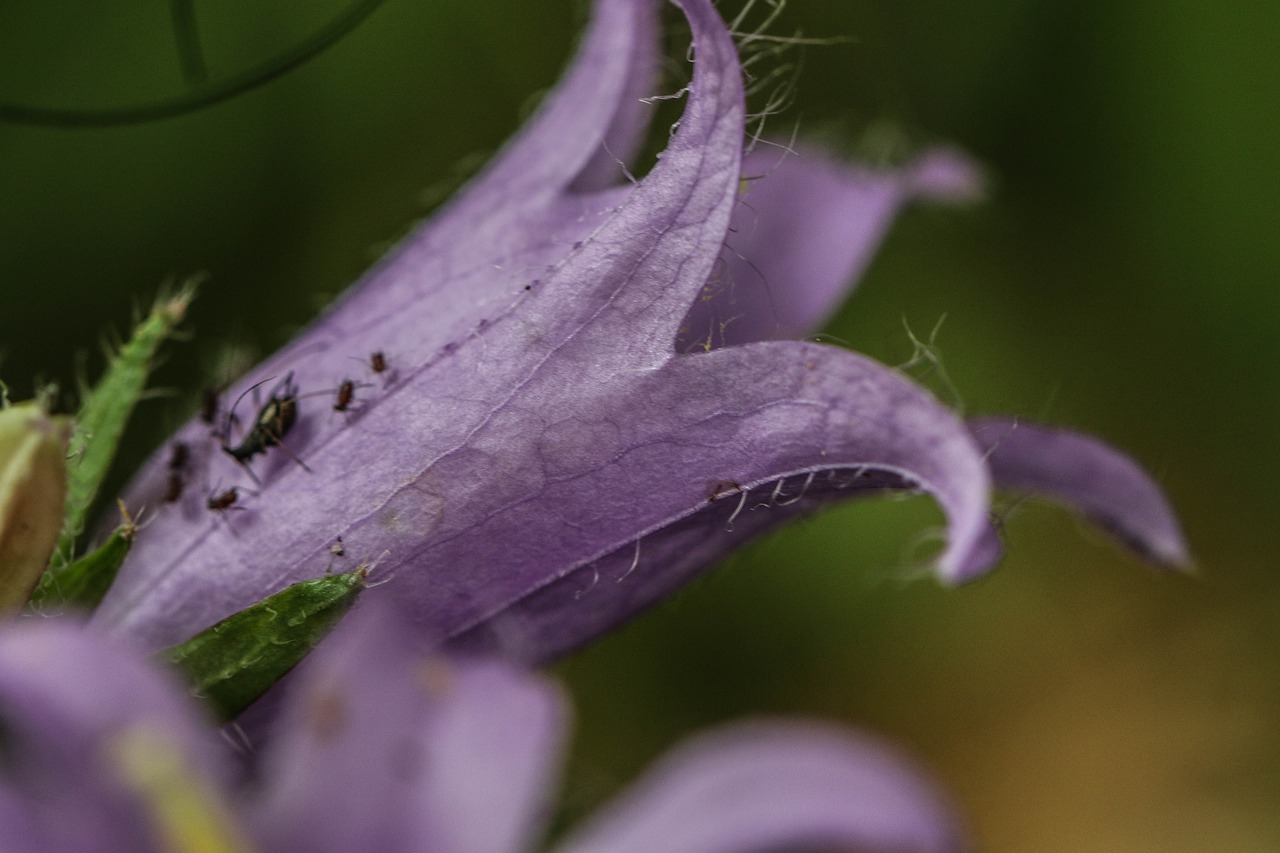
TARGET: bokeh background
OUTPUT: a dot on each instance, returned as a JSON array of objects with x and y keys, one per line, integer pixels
[{"x": 1121, "y": 279}]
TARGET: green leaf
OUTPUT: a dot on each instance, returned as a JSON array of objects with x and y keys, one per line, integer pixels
[
  {"x": 84, "y": 582},
  {"x": 106, "y": 409},
  {"x": 234, "y": 662}
]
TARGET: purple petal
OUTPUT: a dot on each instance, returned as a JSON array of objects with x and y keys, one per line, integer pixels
[
  {"x": 453, "y": 441},
  {"x": 514, "y": 222},
  {"x": 18, "y": 828},
  {"x": 706, "y": 452},
  {"x": 1087, "y": 475},
  {"x": 506, "y": 467},
  {"x": 807, "y": 228},
  {"x": 438, "y": 291},
  {"x": 382, "y": 748},
  {"x": 596, "y": 105},
  {"x": 68, "y": 699},
  {"x": 764, "y": 786},
  {"x": 631, "y": 119}
]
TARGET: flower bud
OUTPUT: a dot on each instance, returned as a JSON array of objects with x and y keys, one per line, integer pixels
[{"x": 33, "y": 487}]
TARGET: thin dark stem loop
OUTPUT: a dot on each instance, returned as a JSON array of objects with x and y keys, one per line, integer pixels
[
  {"x": 202, "y": 96},
  {"x": 182, "y": 16}
]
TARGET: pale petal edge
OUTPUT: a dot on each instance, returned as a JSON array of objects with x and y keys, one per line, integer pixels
[{"x": 766, "y": 785}]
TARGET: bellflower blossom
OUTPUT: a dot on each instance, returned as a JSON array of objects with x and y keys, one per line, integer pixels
[
  {"x": 383, "y": 748},
  {"x": 590, "y": 395}
]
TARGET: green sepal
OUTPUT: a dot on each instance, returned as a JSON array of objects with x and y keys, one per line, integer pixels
[
  {"x": 105, "y": 410},
  {"x": 84, "y": 582},
  {"x": 234, "y": 662}
]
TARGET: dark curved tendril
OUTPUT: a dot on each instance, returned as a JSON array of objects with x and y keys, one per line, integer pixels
[
  {"x": 202, "y": 96},
  {"x": 186, "y": 33}
]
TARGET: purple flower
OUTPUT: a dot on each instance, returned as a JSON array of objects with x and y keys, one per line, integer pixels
[
  {"x": 589, "y": 395},
  {"x": 382, "y": 748}
]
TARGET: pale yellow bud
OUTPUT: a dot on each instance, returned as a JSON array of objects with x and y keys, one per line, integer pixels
[
  {"x": 33, "y": 487},
  {"x": 187, "y": 815}
]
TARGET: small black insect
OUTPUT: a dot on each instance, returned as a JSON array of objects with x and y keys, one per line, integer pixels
[
  {"x": 209, "y": 405},
  {"x": 344, "y": 395},
  {"x": 273, "y": 422},
  {"x": 223, "y": 501},
  {"x": 378, "y": 362},
  {"x": 346, "y": 391},
  {"x": 179, "y": 453},
  {"x": 173, "y": 488}
]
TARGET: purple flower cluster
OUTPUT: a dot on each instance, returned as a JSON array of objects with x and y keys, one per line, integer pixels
[
  {"x": 593, "y": 390},
  {"x": 587, "y": 391}
]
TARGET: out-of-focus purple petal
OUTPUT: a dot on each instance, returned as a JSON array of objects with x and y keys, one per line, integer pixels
[
  {"x": 761, "y": 786},
  {"x": 18, "y": 829},
  {"x": 67, "y": 699},
  {"x": 1087, "y": 475},
  {"x": 383, "y": 748},
  {"x": 711, "y": 449},
  {"x": 498, "y": 745},
  {"x": 807, "y": 227},
  {"x": 348, "y": 753}
]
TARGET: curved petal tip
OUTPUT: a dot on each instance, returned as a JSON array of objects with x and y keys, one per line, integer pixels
[{"x": 1090, "y": 476}]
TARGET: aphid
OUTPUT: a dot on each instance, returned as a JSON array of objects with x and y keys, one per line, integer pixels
[
  {"x": 209, "y": 405},
  {"x": 223, "y": 501},
  {"x": 179, "y": 453},
  {"x": 345, "y": 394},
  {"x": 346, "y": 391},
  {"x": 273, "y": 422},
  {"x": 722, "y": 488},
  {"x": 378, "y": 362},
  {"x": 173, "y": 488}
]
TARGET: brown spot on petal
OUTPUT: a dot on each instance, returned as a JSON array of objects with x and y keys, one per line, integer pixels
[
  {"x": 326, "y": 713},
  {"x": 435, "y": 677},
  {"x": 722, "y": 488}
]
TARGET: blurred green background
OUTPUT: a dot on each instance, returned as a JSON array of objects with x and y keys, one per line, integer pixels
[{"x": 1121, "y": 280}]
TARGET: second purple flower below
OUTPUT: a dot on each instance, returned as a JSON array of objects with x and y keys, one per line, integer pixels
[{"x": 383, "y": 748}]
